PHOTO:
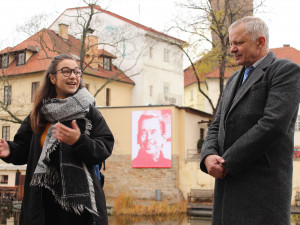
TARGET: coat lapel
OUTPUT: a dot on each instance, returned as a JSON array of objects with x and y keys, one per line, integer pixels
[
  {"x": 231, "y": 92},
  {"x": 257, "y": 73}
]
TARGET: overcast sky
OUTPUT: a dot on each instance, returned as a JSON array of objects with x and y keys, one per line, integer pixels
[{"x": 282, "y": 17}]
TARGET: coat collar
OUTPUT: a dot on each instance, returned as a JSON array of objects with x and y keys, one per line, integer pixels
[{"x": 257, "y": 73}]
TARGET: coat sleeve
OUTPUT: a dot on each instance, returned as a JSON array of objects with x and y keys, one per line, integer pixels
[
  {"x": 20, "y": 146},
  {"x": 276, "y": 122},
  {"x": 211, "y": 145},
  {"x": 97, "y": 146}
]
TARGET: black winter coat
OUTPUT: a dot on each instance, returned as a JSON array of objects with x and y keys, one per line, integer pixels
[{"x": 26, "y": 149}]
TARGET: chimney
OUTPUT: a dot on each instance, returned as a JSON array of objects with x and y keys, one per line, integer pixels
[
  {"x": 63, "y": 31},
  {"x": 286, "y": 45},
  {"x": 91, "y": 56}
]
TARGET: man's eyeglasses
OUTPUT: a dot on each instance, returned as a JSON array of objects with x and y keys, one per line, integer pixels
[{"x": 67, "y": 71}]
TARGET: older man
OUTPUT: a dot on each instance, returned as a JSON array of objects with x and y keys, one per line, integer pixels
[{"x": 249, "y": 146}]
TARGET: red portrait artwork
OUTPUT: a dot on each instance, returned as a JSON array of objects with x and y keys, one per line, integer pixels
[{"x": 152, "y": 129}]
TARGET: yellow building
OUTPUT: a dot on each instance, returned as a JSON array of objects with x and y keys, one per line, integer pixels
[{"x": 22, "y": 69}]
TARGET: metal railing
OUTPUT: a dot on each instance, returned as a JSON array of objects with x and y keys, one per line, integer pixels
[{"x": 8, "y": 194}]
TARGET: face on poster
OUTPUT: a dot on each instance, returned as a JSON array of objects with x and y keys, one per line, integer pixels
[{"x": 151, "y": 139}]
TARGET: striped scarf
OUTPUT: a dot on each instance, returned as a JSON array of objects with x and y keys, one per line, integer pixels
[{"x": 68, "y": 179}]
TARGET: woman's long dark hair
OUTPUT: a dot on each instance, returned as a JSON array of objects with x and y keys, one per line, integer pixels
[{"x": 46, "y": 90}]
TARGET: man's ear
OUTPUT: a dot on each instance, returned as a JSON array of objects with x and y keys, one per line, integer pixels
[
  {"x": 261, "y": 41},
  {"x": 52, "y": 79}
]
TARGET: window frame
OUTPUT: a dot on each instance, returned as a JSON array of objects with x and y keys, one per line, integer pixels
[
  {"x": 150, "y": 90},
  {"x": 192, "y": 95},
  {"x": 6, "y": 133},
  {"x": 107, "y": 63},
  {"x": 21, "y": 63},
  {"x": 3, "y": 65},
  {"x": 166, "y": 55},
  {"x": 7, "y": 95},
  {"x": 3, "y": 179},
  {"x": 107, "y": 97},
  {"x": 150, "y": 52},
  {"x": 34, "y": 87}
]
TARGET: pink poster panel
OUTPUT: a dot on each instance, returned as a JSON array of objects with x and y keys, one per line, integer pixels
[{"x": 151, "y": 139}]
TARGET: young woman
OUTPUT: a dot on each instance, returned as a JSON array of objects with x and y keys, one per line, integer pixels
[{"x": 60, "y": 141}]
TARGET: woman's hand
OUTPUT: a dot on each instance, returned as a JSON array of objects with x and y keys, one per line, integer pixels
[
  {"x": 65, "y": 134},
  {"x": 4, "y": 149}
]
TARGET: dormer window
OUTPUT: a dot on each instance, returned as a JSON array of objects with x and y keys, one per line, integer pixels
[
  {"x": 21, "y": 58},
  {"x": 106, "y": 63},
  {"x": 4, "y": 61}
]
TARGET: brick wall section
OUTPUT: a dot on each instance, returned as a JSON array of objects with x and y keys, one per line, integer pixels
[{"x": 120, "y": 177}]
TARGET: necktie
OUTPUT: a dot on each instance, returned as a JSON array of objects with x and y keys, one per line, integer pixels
[{"x": 247, "y": 72}]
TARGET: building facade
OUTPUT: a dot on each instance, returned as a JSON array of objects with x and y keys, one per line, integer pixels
[{"x": 150, "y": 58}]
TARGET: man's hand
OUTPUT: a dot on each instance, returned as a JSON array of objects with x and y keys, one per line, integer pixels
[
  {"x": 4, "y": 149},
  {"x": 65, "y": 134},
  {"x": 214, "y": 166}
]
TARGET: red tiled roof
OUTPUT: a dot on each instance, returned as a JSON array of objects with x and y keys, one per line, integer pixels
[
  {"x": 6, "y": 50},
  {"x": 190, "y": 78},
  {"x": 126, "y": 20},
  {"x": 285, "y": 52},
  {"x": 46, "y": 44},
  {"x": 106, "y": 53}
]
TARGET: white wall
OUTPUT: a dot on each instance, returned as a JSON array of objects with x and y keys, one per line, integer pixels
[{"x": 132, "y": 52}]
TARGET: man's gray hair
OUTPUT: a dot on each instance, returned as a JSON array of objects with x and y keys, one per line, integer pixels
[{"x": 254, "y": 26}]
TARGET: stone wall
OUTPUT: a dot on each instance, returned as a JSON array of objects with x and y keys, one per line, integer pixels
[{"x": 141, "y": 183}]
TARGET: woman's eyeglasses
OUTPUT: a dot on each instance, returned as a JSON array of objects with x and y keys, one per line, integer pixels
[{"x": 67, "y": 71}]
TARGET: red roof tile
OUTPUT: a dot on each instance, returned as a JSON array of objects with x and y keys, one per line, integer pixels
[
  {"x": 6, "y": 50},
  {"x": 287, "y": 52},
  {"x": 106, "y": 53},
  {"x": 46, "y": 44}
]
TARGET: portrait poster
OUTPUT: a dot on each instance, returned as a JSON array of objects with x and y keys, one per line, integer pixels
[{"x": 151, "y": 139}]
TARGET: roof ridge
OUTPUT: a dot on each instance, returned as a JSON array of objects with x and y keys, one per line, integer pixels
[{"x": 124, "y": 19}]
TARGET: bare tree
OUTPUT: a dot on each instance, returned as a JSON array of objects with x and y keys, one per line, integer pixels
[
  {"x": 208, "y": 22},
  {"x": 85, "y": 20}
]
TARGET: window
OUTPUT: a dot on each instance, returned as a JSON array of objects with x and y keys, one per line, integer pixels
[
  {"x": 5, "y": 133},
  {"x": 107, "y": 97},
  {"x": 150, "y": 52},
  {"x": 7, "y": 95},
  {"x": 201, "y": 133},
  {"x": 4, "y": 61},
  {"x": 297, "y": 126},
  {"x": 192, "y": 95},
  {"x": 166, "y": 89},
  {"x": 3, "y": 179},
  {"x": 166, "y": 55},
  {"x": 106, "y": 63},
  {"x": 21, "y": 59},
  {"x": 150, "y": 90},
  {"x": 34, "y": 87}
]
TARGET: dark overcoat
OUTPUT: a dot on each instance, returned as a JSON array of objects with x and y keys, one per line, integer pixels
[
  {"x": 91, "y": 149},
  {"x": 253, "y": 131}
]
